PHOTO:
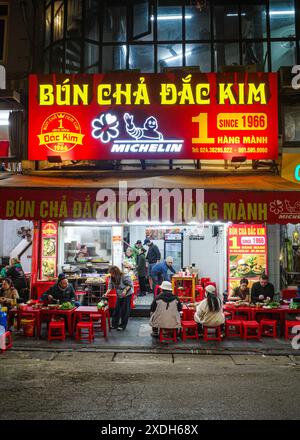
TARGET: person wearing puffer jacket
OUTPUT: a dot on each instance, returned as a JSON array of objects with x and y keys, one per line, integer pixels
[
  {"x": 165, "y": 310},
  {"x": 210, "y": 310}
]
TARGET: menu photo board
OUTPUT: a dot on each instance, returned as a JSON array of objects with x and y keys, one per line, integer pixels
[
  {"x": 48, "y": 263},
  {"x": 247, "y": 255}
]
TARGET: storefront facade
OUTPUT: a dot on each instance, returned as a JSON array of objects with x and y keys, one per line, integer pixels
[{"x": 204, "y": 112}]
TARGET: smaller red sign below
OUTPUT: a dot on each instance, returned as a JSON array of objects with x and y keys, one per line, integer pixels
[{"x": 247, "y": 253}]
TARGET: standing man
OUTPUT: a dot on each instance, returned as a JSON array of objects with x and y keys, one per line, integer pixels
[
  {"x": 136, "y": 249},
  {"x": 142, "y": 271},
  {"x": 153, "y": 257},
  {"x": 160, "y": 272},
  {"x": 262, "y": 290}
]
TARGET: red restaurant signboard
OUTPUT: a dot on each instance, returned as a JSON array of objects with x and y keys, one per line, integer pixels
[
  {"x": 272, "y": 207},
  {"x": 163, "y": 116}
]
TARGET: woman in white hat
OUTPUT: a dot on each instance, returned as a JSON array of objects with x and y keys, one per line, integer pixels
[
  {"x": 165, "y": 308},
  {"x": 210, "y": 310}
]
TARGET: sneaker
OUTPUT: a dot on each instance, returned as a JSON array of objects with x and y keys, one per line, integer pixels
[{"x": 120, "y": 328}]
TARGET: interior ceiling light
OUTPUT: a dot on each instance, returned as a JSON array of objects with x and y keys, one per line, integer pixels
[
  {"x": 171, "y": 17},
  {"x": 175, "y": 57}
]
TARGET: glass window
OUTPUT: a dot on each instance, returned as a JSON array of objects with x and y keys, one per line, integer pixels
[
  {"x": 48, "y": 26},
  {"x": 169, "y": 23},
  {"x": 91, "y": 57},
  {"x": 114, "y": 58},
  {"x": 142, "y": 57},
  {"x": 58, "y": 28},
  {"x": 226, "y": 22},
  {"x": 253, "y": 21},
  {"x": 97, "y": 242},
  {"x": 283, "y": 54},
  {"x": 197, "y": 23},
  {"x": 255, "y": 53},
  {"x": 226, "y": 55},
  {"x": 198, "y": 55},
  {"x": 92, "y": 24},
  {"x": 282, "y": 19},
  {"x": 57, "y": 58},
  {"x": 142, "y": 21},
  {"x": 73, "y": 56},
  {"x": 47, "y": 61},
  {"x": 169, "y": 56},
  {"x": 292, "y": 124},
  {"x": 114, "y": 29},
  {"x": 74, "y": 20}
]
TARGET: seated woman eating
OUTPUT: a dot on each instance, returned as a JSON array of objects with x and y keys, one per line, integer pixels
[
  {"x": 8, "y": 294},
  {"x": 241, "y": 292},
  {"x": 209, "y": 311},
  {"x": 165, "y": 308}
]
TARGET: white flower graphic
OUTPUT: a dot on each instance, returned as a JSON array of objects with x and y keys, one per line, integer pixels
[
  {"x": 276, "y": 206},
  {"x": 105, "y": 127}
]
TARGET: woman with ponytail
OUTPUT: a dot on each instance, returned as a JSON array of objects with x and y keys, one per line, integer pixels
[{"x": 210, "y": 311}]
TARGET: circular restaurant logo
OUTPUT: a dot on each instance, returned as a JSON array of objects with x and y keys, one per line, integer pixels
[{"x": 60, "y": 132}]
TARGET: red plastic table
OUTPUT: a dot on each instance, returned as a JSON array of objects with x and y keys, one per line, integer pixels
[
  {"x": 282, "y": 312},
  {"x": 91, "y": 310},
  {"x": 25, "y": 312},
  {"x": 57, "y": 312}
]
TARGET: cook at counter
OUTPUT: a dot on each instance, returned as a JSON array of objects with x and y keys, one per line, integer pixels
[
  {"x": 61, "y": 291},
  {"x": 83, "y": 253},
  {"x": 262, "y": 290}
]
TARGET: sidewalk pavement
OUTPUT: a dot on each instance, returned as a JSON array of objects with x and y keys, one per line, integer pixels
[{"x": 137, "y": 338}]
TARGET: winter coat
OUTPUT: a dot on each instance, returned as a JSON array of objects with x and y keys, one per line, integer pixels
[
  {"x": 165, "y": 311},
  {"x": 9, "y": 294},
  {"x": 16, "y": 274},
  {"x": 205, "y": 317},
  {"x": 160, "y": 270},
  {"x": 153, "y": 255},
  {"x": 141, "y": 265},
  {"x": 125, "y": 282},
  {"x": 63, "y": 295}
]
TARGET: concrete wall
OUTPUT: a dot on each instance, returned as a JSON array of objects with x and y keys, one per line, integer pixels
[{"x": 8, "y": 235}]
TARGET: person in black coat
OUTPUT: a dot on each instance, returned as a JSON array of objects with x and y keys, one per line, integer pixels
[
  {"x": 61, "y": 291},
  {"x": 262, "y": 290},
  {"x": 142, "y": 271},
  {"x": 16, "y": 274}
]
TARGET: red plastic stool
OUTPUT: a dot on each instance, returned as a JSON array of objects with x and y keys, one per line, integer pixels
[
  {"x": 167, "y": 334},
  {"x": 97, "y": 321},
  {"x": 288, "y": 326},
  {"x": 7, "y": 341},
  {"x": 82, "y": 325},
  {"x": 207, "y": 336},
  {"x": 204, "y": 280},
  {"x": 56, "y": 331},
  {"x": 228, "y": 315},
  {"x": 251, "y": 330},
  {"x": 244, "y": 315},
  {"x": 200, "y": 293},
  {"x": 268, "y": 327},
  {"x": 189, "y": 325},
  {"x": 233, "y": 328},
  {"x": 156, "y": 291}
]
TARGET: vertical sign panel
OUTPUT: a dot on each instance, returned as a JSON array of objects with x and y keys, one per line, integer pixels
[
  {"x": 246, "y": 253},
  {"x": 48, "y": 264}
]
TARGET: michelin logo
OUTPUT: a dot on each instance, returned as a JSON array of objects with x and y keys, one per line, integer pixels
[{"x": 147, "y": 139}]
